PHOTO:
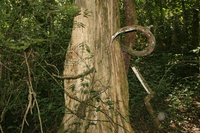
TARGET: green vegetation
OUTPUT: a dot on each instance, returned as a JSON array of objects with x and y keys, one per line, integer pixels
[
  {"x": 172, "y": 70},
  {"x": 34, "y": 36},
  {"x": 40, "y": 32}
]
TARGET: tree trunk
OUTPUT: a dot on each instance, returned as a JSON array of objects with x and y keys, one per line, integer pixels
[
  {"x": 95, "y": 82},
  {"x": 131, "y": 19}
]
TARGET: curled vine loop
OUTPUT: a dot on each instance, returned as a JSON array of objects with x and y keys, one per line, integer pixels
[{"x": 145, "y": 30}]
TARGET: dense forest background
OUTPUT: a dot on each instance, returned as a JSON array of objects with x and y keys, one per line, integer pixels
[{"x": 34, "y": 36}]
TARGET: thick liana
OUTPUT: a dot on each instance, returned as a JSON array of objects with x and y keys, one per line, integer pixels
[{"x": 145, "y": 30}]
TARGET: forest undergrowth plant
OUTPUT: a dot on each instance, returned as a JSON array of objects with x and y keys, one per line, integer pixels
[{"x": 175, "y": 96}]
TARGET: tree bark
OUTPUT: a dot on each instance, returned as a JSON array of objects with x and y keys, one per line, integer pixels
[
  {"x": 131, "y": 19},
  {"x": 96, "y": 87}
]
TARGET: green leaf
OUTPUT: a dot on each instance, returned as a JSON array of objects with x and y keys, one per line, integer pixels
[
  {"x": 72, "y": 87},
  {"x": 87, "y": 48},
  {"x": 109, "y": 102},
  {"x": 98, "y": 108},
  {"x": 87, "y": 127}
]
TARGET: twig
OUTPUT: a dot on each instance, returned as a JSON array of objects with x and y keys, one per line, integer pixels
[
  {"x": 5, "y": 66},
  {"x": 32, "y": 95},
  {"x": 1, "y": 129},
  {"x": 76, "y": 76}
]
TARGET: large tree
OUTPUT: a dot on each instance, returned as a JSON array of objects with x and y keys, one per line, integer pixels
[{"x": 95, "y": 82}]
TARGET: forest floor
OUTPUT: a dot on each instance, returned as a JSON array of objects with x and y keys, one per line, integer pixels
[{"x": 188, "y": 123}]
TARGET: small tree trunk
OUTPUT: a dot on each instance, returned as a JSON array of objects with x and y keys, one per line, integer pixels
[
  {"x": 131, "y": 19},
  {"x": 95, "y": 85}
]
